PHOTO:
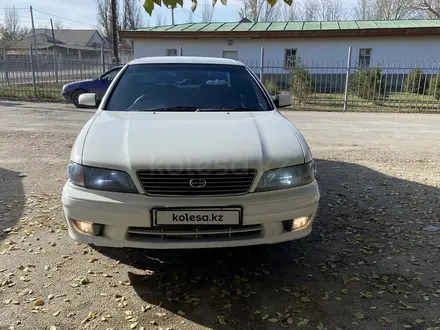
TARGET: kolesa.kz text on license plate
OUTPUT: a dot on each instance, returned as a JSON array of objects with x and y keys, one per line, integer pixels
[{"x": 197, "y": 217}]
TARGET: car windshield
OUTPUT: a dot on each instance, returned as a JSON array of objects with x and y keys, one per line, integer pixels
[{"x": 187, "y": 87}]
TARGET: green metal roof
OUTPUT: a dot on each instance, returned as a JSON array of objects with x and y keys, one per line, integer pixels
[{"x": 294, "y": 26}]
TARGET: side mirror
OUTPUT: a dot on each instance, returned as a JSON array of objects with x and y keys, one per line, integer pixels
[
  {"x": 88, "y": 100},
  {"x": 283, "y": 100}
]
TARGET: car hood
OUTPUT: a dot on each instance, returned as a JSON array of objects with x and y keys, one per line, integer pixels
[
  {"x": 76, "y": 83},
  {"x": 170, "y": 140}
]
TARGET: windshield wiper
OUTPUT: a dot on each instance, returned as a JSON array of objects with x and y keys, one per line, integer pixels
[
  {"x": 171, "y": 109},
  {"x": 197, "y": 109},
  {"x": 228, "y": 109}
]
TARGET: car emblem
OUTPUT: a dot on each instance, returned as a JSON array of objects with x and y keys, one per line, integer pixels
[{"x": 197, "y": 183}]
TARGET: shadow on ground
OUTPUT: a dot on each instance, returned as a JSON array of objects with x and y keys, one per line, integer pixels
[
  {"x": 10, "y": 104},
  {"x": 367, "y": 254},
  {"x": 12, "y": 200}
]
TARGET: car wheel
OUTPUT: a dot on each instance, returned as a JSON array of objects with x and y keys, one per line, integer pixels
[{"x": 75, "y": 97}]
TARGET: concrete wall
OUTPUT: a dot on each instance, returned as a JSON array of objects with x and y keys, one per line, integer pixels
[{"x": 328, "y": 54}]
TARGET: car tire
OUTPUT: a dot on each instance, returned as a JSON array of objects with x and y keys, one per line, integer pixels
[{"x": 75, "y": 97}]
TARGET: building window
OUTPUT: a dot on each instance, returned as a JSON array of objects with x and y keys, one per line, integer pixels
[
  {"x": 364, "y": 57},
  {"x": 289, "y": 58},
  {"x": 171, "y": 52}
]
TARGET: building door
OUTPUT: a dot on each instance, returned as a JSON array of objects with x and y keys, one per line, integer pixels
[{"x": 232, "y": 54}]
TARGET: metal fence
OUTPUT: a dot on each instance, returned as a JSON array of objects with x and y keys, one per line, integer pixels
[
  {"x": 41, "y": 76},
  {"x": 323, "y": 85},
  {"x": 349, "y": 85}
]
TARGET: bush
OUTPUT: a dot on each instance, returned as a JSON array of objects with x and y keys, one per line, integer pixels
[
  {"x": 434, "y": 86},
  {"x": 271, "y": 87},
  {"x": 302, "y": 85},
  {"x": 366, "y": 83},
  {"x": 415, "y": 82}
]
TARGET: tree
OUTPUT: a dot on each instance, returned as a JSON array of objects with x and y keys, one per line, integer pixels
[
  {"x": 260, "y": 11},
  {"x": 23, "y": 33},
  {"x": 367, "y": 83},
  {"x": 324, "y": 10},
  {"x": 301, "y": 83},
  {"x": 57, "y": 24},
  {"x": 11, "y": 31},
  {"x": 428, "y": 8},
  {"x": 12, "y": 23},
  {"x": 3, "y": 37},
  {"x": 364, "y": 10},
  {"x": 270, "y": 14},
  {"x": 104, "y": 16},
  {"x": 393, "y": 9},
  {"x": 385, "y": 9},
  {"x": 149, "y": 4},
  {"x": 160, "y": 20},
  {"x": 190, "y": 17},
  {"x": 207, "y": 12},
  {"x": 290, "y": 13},
  {"x": 131, "y": 15}
]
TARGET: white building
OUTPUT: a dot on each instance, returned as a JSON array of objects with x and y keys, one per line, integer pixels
[{"x": 323, "y": 47}]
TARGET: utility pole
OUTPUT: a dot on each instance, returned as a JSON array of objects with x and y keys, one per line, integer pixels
[
  {"x": 115, "y": 33},
  {"x": 33, "y": 30}
]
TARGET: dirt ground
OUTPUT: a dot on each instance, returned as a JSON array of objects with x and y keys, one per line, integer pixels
[{"x": 370, "y": 263}]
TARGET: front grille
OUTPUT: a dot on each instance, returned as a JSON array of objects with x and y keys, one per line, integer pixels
[
  {"x": 177, "y": 183},
  {"x": 194, "y": 234}
]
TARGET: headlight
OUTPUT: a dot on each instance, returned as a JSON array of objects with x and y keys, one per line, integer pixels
[
  {"x": 287, "y": 177},
  {"x": 100, "y": 179}
]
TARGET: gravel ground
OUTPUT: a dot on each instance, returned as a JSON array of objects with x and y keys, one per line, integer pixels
[{"x": 370, "y": 263}]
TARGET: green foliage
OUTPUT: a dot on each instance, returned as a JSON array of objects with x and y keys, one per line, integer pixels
[
  {"x": 367, "y": 83},
  {"x": 149, "y": 4},
  {"x": 434, "y": 86},
  {"x": 415, "y": 82},
  {"x": 301, "y": 84},
  {"x": 271, "y": 87}
]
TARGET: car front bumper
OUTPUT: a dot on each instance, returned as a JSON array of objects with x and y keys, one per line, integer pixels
[
  {"x": 67, "y": 96},
  {"x": 126, "y": 216}
]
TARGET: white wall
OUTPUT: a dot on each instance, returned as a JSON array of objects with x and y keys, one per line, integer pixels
[{"x": 402, "y": 52}]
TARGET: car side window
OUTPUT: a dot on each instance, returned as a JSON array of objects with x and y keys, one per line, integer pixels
[{"x": 110, "y": 75}]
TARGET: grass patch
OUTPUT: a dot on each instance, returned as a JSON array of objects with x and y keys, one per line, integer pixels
[
  {"x": 26, "y": 91},
  {"x": 402, "y": 102}
]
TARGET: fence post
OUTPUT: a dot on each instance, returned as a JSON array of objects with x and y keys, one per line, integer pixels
[
  {"x": 180, "y": 51},
  {"x": 347, "y": 79},
  {"x": 60, "y": 66},
  {"x": 31, "y": 54},
  {"x": 55, "y": 68},
  {"x": 5, "y": 67},
  {"x": 80, "y": 64},
  {"x": 102, "y": 59},
  {"x": 262, "y": 64}
]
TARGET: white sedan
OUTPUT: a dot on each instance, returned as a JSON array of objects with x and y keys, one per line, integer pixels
[{"x": 189, "y": 152}]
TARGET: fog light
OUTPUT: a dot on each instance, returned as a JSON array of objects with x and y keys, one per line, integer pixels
[
  {"x": 297, "y": 223},
  {"x": 300, "y": 222},
  {"x": 88, "y": 228}
]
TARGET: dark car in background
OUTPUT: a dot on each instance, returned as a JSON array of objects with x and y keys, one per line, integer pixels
[{"x": 72, "y": 91}]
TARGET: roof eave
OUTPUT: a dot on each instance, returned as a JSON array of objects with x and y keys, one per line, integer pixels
[{"x": 392, "y": 32}]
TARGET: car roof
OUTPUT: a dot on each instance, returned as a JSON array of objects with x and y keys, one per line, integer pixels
[{"x": 185, "y": 60}]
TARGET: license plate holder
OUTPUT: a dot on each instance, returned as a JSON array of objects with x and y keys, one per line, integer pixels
[{"x": 230, "y": 216}]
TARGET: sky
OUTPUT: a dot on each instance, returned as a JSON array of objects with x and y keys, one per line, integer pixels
[{"x": 80, "y": 14}]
